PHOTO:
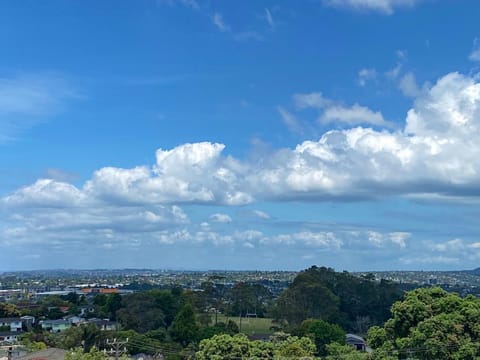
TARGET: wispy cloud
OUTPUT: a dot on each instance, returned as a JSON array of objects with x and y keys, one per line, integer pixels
[
  {"x": 353, "y": 115},
  {"x": 221, "y": 218},
  {"x": 193, "y": 4},
  {"x": 383, "y": 6},
  {"x": 269, "y": 18},
  {"x": 219, "y": 22},
  {"x": 366, "y": 75},
  {"x": 248, "y": 35},
  {"x": 408, "y": 85},
  {"x": 475, "y": 54},
  {"x": 290, "y": 121},
  {"x": 334, "y": 111},
  {"x": 28, "y": 99}
]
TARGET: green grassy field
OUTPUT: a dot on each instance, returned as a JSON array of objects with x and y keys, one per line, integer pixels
[{"x": 250, "y": 326}]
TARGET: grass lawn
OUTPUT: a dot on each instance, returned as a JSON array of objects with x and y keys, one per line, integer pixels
[{"x": 250, "y": 326}]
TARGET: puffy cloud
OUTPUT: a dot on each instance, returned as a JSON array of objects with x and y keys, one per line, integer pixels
[
  {"x": 378, "y": 239},
  {"x": 308, "y": 238},
  {"x": 383, "y": 6},
  {"x": 436, "y": 153},
  {"x": 187, "y": 173},
  {"x": 46, "y": 193}
]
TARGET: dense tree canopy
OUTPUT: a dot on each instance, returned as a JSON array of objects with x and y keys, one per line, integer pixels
[
  {"x": 225, "y": 347},
  {"x": 184, "y": 328},
  {"x": 430, "y": 324},
  {"x": 141, "y": 313},
  {"x": 8, "y": 310},
  {"x": 352, "y": 302},
  {"x": 322, "y": 333},
  {"x": 247, "y": 298}
]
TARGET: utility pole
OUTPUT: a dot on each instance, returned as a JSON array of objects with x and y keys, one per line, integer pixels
[{"x": 117, "y": 347}]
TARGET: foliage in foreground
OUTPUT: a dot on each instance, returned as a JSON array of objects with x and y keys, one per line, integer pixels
[
  {"x": 224, "y": 347},
  {"x": 430, "y": 324}
]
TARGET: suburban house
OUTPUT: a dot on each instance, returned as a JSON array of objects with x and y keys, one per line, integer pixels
[
  {"x": 357, "y": 342},
  {"x": 10, "y": 336},
  {"x": 28, "y": 321},
  {"x": 75, "y": 320},
  {"x": 11, "y": 324},
  {"x": 55, "y": 326},
  {"x": 104, "y": 324},
  {"x": 85, "y": 310}
]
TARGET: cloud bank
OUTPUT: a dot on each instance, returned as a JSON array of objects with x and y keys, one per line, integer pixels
[{"x": 436, "y": 152}]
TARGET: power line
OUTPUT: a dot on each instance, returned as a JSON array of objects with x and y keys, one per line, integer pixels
[{"x": 116, "y": 347}]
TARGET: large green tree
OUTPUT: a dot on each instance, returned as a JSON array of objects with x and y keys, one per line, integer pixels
[
  {"x": 322, "y": 333},
  {"x": 8, "y": 310},
  {"x": 184, "y": 328},
  {"x": 248, "y": 298},
  {"x": 140, "y": 312},
  {"x": 225, "y": 347},
  {"x": 430, "y": 324},
  {"x": 353, "y": 302}
]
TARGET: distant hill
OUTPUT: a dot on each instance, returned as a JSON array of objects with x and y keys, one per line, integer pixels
[{"x": 474, "y": 271}]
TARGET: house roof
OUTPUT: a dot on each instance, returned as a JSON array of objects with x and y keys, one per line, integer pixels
[
  {"x": 55, "y": 322},
  {"x": 355, "y": 338},
  {"x": 10, "y": 320},
  {"x": 10, "y": 333}
]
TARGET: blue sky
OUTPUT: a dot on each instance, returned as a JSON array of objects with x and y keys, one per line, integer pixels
[{"x": 193, "y": 134}]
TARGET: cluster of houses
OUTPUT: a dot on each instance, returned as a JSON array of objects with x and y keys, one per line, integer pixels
[{"x": 12, "y": 328}]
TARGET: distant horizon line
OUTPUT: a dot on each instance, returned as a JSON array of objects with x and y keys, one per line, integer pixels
[{"x": 219, "y": 270}]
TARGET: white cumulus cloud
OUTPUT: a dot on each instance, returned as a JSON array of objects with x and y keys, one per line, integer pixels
[{"x": 436, "y": 153}]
